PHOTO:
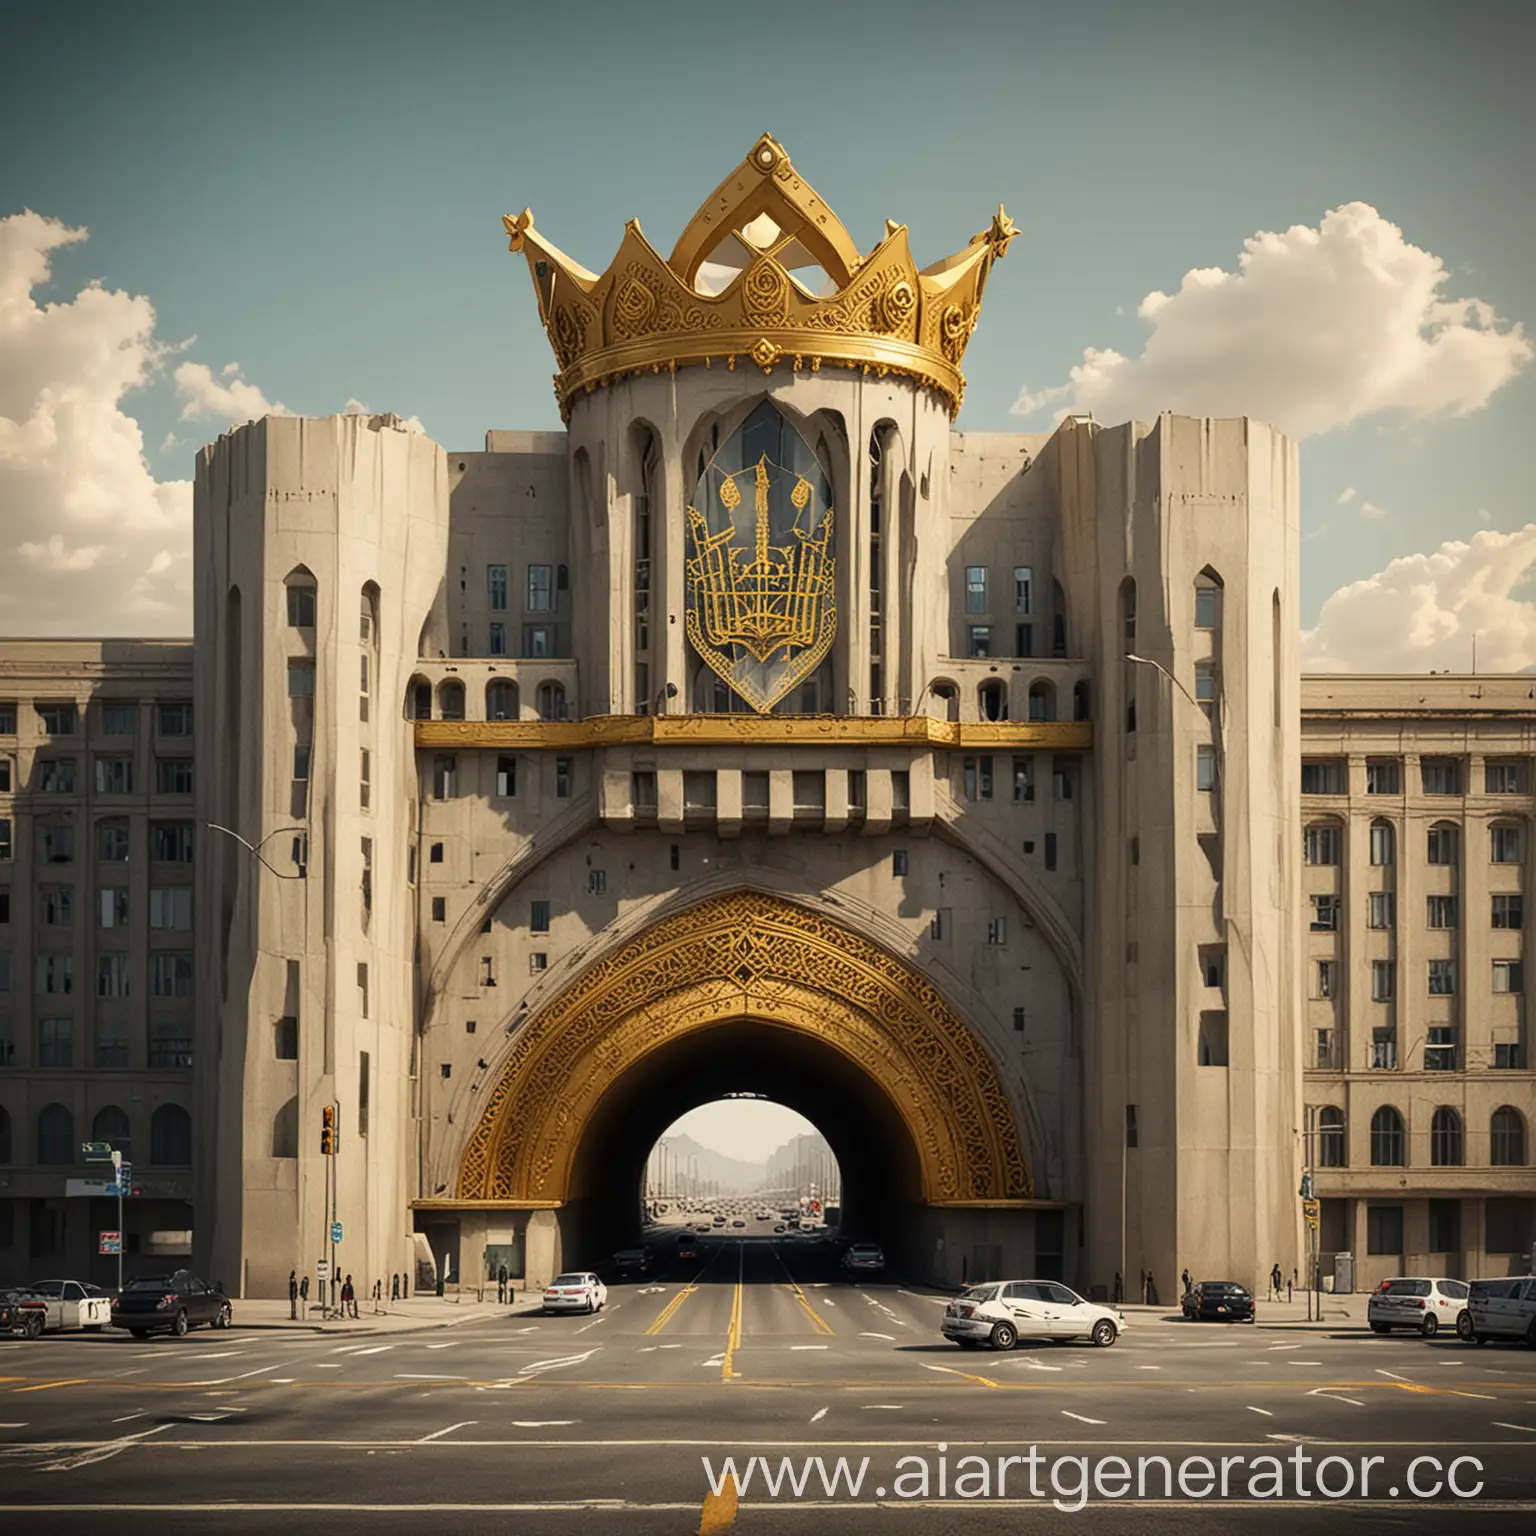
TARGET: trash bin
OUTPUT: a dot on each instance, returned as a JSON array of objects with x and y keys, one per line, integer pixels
[{"x": 1343, "y": 1274}]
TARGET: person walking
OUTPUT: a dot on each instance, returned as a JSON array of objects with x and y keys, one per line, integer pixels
[
  {"x": 1189, "y": 1284},
  {"x": 378, "y": 1295},
  {"x": 394, "y": 1287},
  {"x": 501, "y": 1284},
  {"x": 1151, "y": 1290},
  {"x": 1275, "y": 1281},
  {"x": 304, "y": 1292},
  {"x": 293, "y": 1293},
  {"x": 348, "y": 1305}
]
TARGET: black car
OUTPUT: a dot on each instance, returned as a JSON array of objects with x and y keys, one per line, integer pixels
[
  {"x": 23, "y": 1312},
  {"x": 171, "y": 1303},
  {"x": 1219, "y": 1301}
]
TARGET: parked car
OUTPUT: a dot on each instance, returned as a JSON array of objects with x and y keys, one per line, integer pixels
[
  {"x": 171, "y": 1303},
  {"x": 1503, "y": 1309},
  {"x": 738, "y": 1222},
  {"x": 74, "y": 1304},
  {"x": 631, "y": 1261},
  {"x": 1005, "y": 1311},
  {"x": 579, "y": 1291},
  {"x": 1218, "y": 1301},
  {"x": 1415, "y": 1301},
  {"x": 864, "y": 1259},
  {"x": 22, "y": 1312}
]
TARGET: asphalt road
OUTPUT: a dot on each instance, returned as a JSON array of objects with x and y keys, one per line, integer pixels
[{"x": 535, "y": 1424}]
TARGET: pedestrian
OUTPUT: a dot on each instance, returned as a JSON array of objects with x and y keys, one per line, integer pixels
[
  {"x": 1119, "y": 1289},
  {"x": 1189, "y": 1284},
  {"x": 378, "y": 1295},
  {"x": 304, "y": 1291},
  {"x": 293, "y": 1293},
  {"x": 501, "y": 1284},
  {"x": 1289, "y": 1284},
  {"x": 348, "y": 1305},
  {"x": 1151, "y": 1290},
  {"x": 394, "y": 1287},
  {"x": 1274, "y": 1281}
]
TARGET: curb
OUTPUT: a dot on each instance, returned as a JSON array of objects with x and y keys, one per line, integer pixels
[{"x": 360, "y": 1329}]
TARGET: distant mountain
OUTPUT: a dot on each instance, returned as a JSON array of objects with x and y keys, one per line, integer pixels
[
  {"x": 803, "y": 1159},
  {"x": 693, "y": 1162}
]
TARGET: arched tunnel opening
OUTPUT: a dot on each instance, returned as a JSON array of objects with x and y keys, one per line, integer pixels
[{"x": 878, "y": 1165}]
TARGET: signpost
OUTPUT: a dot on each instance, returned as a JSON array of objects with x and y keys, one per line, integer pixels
[
  {"x": 322, "y": 1270},
  {"x": 104, "y": 1152},
  {"x": 111, "y": 1242},
  {"x": 335, "y": 1231}
]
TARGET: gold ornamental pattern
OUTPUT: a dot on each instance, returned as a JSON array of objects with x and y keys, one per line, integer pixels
[
  {"x": 647, "y": 314},
  {"x": 748, "y": 956}
]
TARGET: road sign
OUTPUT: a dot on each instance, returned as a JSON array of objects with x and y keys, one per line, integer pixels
[
  {"x": 1306, "y": 1186},
  {"x": 322, "y": 1269},
  {"x": 111, "y": 1242},
  {"x": 335, "y": 1231},
  {"x": 97, "y": 1151},
  {"x": 1311, "y": 1207}
]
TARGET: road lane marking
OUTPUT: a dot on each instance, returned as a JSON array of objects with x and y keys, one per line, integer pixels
[
  {"x": 456, "y": 1342},
  {"x": 890, "y": 1338},
  {"x": 540, "y": 1423},
  {"x": 728, "y": 1371},
  {"x": 1497, "y": 1424},
  {"x": 430, "y": 1376},
  {"x": 1081, "y": 1418},
  {"x": 1265, "y": 1411},
  {"x": 103, "y": 1452},
  {"x": 222, "y": 1354},
  {"x": 438, "y": 1434},
  {"x": 1389, "y": 1374},
  {"x": 558, "y": 1363},
  {"x": 949, "y": 1370},
  {"x": 821, "y": 1413},
  {"x": 376, "y": 1349},
  {"x": 895, "y": 1407},
  {"x": 125, "y": 1418},
  {"x": 818, "y": 1322},
  {"x": 43, "y": 1386}
]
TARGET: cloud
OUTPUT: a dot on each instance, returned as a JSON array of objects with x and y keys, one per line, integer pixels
[
  {"x": 226, "y": 397},
  {"x": 1347, "y": 495},
  {"x": 1315, "y": 329},
  {"x": 1371, "y": 510},
  {"x": 1421, "y": 612},
  {"x": 1484, "y": 516},
  {"x": 82, "y": 519}
]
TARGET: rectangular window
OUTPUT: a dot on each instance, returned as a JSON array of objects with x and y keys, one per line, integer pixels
[
  {"x": 1384, "y": 1050},
  {"x": 300, "y": 763},
  {"x": 170, "y": 976},
  {"x": 1441, "y": 775},
  {"x": 899, "y": 862},
  {"x": 1383, "y": 776},
  {"x": 642, "y": 791},
  {"x": 439, "y": 909},
  {"x": 1383, "y": 981},
  {"x": 1326, "y": 980},
  {"x": 58, "y": 719},
  {"x": 506, "y": 777},
  {"x": 538, "y": 641},
  {"x": 1205, "y": 767},
  {"x": 7, "y": 717},
  {"x": 364, "y": 1091},
  {"x": 1440, "y": 912},
  {"x": 565, "y": 772},
  {"x": 977, "y": 772},
  {"x": 938, "y": 924},
  {"x": 1442, "y": 845},
  {"x": 997, "y": 930},
  {"x": 119, "y": 719},
  {"x": 1023, "y": 779},
  {"x": 56, "y": 1045},
  {"x": 1023, "y": 591},
  {"x": 975, "y": 589},
  {"x": 1050, "y": 850},
  {"x": 364, "y": 778},
  {"x": 496, "y": 588},
  {"x": 1442, "y": 978},
  {"x": 112, "y": 906},
  {"x": 538, "y": 917},
  {"x": 1325, "y": 914},
  {"x": 498, "y": 640},
  {"x": 1023, "y": 639},
  {"x": 301, "y": 607},
  {"x": 858, "y": 791},
  {"x": 1504, "y": 845},
  {"x": 1509, "y": 911},
  {"x": 979, "y": 640},
  {"x": 901, "y": 791},
  {"x": 5, "y": 839},
  {"x": 170, "y": 842},
  {"x": 538, "y": 962},
  {"x": 1205, "y": 607},
  {"x": 1501, "y": 778},
  {"x": 173, "y": 775},
  {"x": 362, "y": 989},
  {"x": 7, "y": 766},
  {"x": 541, "y": 588},
  {"x": 112, "y": 976},
  {"x": 56, "y": 775},
  {"x": 174, "y": 719},
  {"x": 1440, "y": 1050},
  {"x": 59, "y": 906},
  {"x": 170, "y": 906},
  {"x": 1383, "y": 910},
  {"x": 445, "y": 776},
  {"x": 1383, "y": 844},
  {"x": 112, "y": 842},
  {"x": 301, "y": 679},
  {"x": 1213, "y": 964},
  {"x": 1327, "y": 776},
  {"x": 1445, "y": 1226},
  {"x": 1064, "y": 778},
  {"x": 1508, "y": 976},
  {"x": 597, "y": 882},
  {"x": 1212, "y": 1048},
  {"x": 1384, "y": 1231},
  {"x": 1132, "y": 1130},
  {"x": 1320, "y": 845},
  {"x": 56, "y": 974},
  {"x": 114, "y": 775},
  {"x": 111, "y": 1053},
  {"x": 1508, "y": 1056},
  {"x": 1205, "y": 685},
  {"x": 58, "y": 842}
]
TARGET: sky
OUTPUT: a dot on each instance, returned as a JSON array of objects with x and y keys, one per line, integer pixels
[{"x": 751, "y": 1129}]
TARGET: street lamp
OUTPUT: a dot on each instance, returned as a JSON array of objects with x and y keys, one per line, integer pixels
[
  {"x": 102, "y": 1152},
  {"x": 255, "y": 848}
]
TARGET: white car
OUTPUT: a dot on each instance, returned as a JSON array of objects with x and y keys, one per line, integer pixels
[
  {"x": 1503, "y": 1309},
  {"x": 1005, "y": 1311},
  {"x": 72, "y": 1304},
  {"x": 579, "y": 1291},
  {"x": 1421, "y": 1302}
]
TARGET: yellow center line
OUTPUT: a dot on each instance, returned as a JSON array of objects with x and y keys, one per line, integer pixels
[
  {"x": 665, "y": 1315},
  {"x": 816, "y": 1318},
  {"x": 43, "y": 1386},
  {"x": 728, "y": 1371}
]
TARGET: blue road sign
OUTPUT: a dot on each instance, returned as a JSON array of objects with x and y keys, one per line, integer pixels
[{"x": 335, "y": 1231}]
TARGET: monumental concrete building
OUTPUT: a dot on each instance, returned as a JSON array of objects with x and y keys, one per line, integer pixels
[{"x": 763, "y": 733}]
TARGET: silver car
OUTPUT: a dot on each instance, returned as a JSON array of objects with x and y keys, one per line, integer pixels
[
  {"x": 579, "y": 1291},
  {"x": 1425, "y": 1304}
]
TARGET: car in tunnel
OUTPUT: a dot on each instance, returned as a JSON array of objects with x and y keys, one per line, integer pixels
[
  {"x": 1002, "y": 1312},
  {"x": 578, "y": 1291},
  {"x": 864, "y": 1259}
]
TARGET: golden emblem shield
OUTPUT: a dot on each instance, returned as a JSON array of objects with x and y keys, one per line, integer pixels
[{"x": 761, "y": 601}]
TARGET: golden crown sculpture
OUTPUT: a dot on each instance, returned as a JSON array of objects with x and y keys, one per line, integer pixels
[{"x": 728, "y": 293}]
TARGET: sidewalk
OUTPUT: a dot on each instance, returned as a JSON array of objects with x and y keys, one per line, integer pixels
[
  {"x": 410, "y": 1315},
  {"x": 1347, "y": 1311}
]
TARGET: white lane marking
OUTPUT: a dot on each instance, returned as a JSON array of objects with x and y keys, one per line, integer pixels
[
  {"x": 220, "y": 1381},
  {"x": 808, "y": 1346},
  {"x": 454, "y": 1343},
  {"x": 938, "y": 1301},
  {"x": 1381, "y": 1372},
  {"x": 438, "y": 1434},
  {"x": 1303, "y": 1362},
  {"x": 1274, "y": 1347},
  {"x": 125, "y": 1418},
  {"x": 221, "y": 1354},
  {"x": 669, "y": 1346},
  {"x": 376, "y": 1349},
  {"x": 327, "y": 1365},
  {"x": 1483, "y": 1395},
  {"x": 1035, "y": 1365},
  {"x": 714, "y": 1360},
  {"x": 1265, "y": 1411},
  {"x": 559, "y": 1363},
  {"x": 540, "y": 1423},
  {"x": 22, "y": 1425},
  {"x": 430, "y": 1376},
  {"x": 821, "y": 1413},
  {"x": 1149, "y": 1367},
  {"x": 103, "y": 1452},
  {"x": 896, "y": 1406},
  {"x": 1081, "y": 1419},
  {"x": 1296, "y": 1439},
  {"x": 889, "y": 1337},
  {"x": 827, "y": 1301},
  {"x": 1497, "y": 1424},
  {"x": 593, "y": 1324},
  {"x": 282, "y": 1381}
]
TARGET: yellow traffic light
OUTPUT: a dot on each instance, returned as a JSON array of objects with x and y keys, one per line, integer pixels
[{"x": 327, "y": 1131}]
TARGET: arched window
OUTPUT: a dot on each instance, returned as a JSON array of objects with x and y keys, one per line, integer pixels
[
  {"x": 450, "y": 699},
  {"x": 1331, "y": 1151},
  {"x": 1506, "y": 1138},
  {"x": 501, "y": 700},
  {"x": 285, "y": 1129},
  {"x": 1128, "y": 612},
  {"x": 992, "y": 701},
  {"x": 111, "y": 1125},
  {"x": 299, "y": 587},
  {"x": 418, "y": 699},
  {"x": 1386, "y": 1138},
  {"x": 56, "y": 1137},
  {"x": 551, "y": 701},
  {"x": 1080, "y": 701},
  {"x": 1383, "y": 843},
  {"x": 1208, "y": 600},
  {"x": 5, "y": 1135},
  {"x": 1445, "y": 1138},
  {"x": 1042, "y": 701},
  {"x": 170, "y": 1137},
  {"x": 949, "y": 696},
  {"x": 1058, "y": 620},
  {"x": 1443, "y": 843},
  {"x": 368, "y": 616}
]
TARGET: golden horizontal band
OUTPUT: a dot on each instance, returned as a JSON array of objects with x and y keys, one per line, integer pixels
[
  {"x": 486, "y": 1205},
  {"x": 754, "y": 730}
]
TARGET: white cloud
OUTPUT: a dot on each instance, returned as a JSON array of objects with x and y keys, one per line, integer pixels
[
  {"x": 1371, "y": 510},
  {"x": 226, "y": 397},
  {"x": 83, "y": 518},
  {"x": 1315, "y": 329},
  {"x": 1421, "y": 612},
  {"x": 1484, "y": 516},
  {"x": 1347, "y": 495}
]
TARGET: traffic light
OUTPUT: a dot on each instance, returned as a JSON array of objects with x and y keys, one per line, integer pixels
[{"x": 328, "y": 1130}]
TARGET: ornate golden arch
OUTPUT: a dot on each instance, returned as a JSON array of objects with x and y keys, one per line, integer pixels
[{"x": 748, "y": 956}]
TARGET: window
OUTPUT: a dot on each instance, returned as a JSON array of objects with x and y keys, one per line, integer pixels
[
  {"x": 699, "y": 790},
  {"x": 56, "y": 1043},
  {"x": 362, "y": 988},
  {"x": 1064, "y": 778},
  {"x": 1205, "y": 684},
  {"x": 538, "y": 917},
  {"x": 56, "y": 775},
  {"x": 1050, "y": 850},
  {"x": 1383, "y": 844},
  {"x": 114, "y": 775},
  {"x": 1023, "y": 589},
  {"x": 7, "y": 766},
  {"x": 975, "y": 589},
  {"x": 501, "y": 700},
  {"x": 1383, "y": 776},
  {"x": 170, "y": 976},
  {"x": 450, "y": 700},
  {"x": 1383, "y": 980},
  {"x": 597, "y": 882},
  {"x": 300, "y": 763},
  {"x": 171, "y": 842},
  {"x": 173, "y": 775},
  {"x": 498, "y": 640},
  {"x": 439, "y": 909},
  {"x": 170, "y": 907},
  {"x": 5, "y": 838},
  {"x": 112, "y": 976},
  {"x": 364, "y": 778},
  {"x": 642, "y": 791},
  {"x": 170, "y": 1137},
  {"x": 1211, "y": 1049},
  {"x": 1213, "y": 965},
  {"x": 1205, "y": 607},
  {"x": 59, "y": 906},
  {"x": 1440, "y": 1049},
  {"x": 1508, "y": 976},
  {"x": 1442, "y": 978},
  {"x": 506, "y": 777},
  {"x": 1445, "y": 1138},
  {"x": 58, "y": 842},
  {"x": 1384, "y": 1049},
  {"x": 1508, "y": 1056},
  {"x": 111, "y": 1050},
  {"x": 564, "y": 775},
  {"x": 1325, "y": 914},
  {"x": 1442, "y": 843},
  {"x": 56, "y": 974},
  {"x": 496, "y": 588},
  {"x": 1384, "y": 1229},
  {"x": 112, "y": 842},
  {"x": 119, "y": 719},
  {"x": 899, "y": 862},
  {"x": 7, "y": 717},
  {"x": 977, "y": 778},
  {"x": 112, "y": 906},
  {"x": 1325, "y": 777},
  {"x": 1445, "y": 1228},
  {"x": 1504, "y": 844},
  {"x": 301, "y": 679},
  {"x": 1506, "y": 1138},
  {"x": 174, "y": 719},
  {"x": 445, "y": 776},
  {"x": 997, "y": 930},
  {"x": 56, "y": 1137},
  {"x": 1386, "y": 1138},
  {"x": 58, "y": 719},
  {"x": 538, "y": 641},
  {"x": 1330, "y": 1137},
  {"x": 301, "y": 607},
  {"x": 364, "y": 1086},
  {"x": 1501, "y": 778},
  {"x": 1023, "y": 779},
  {"x": 541, "y": 588},
  {"x": 979, "y": 640},
  {"x": 550, "y": 701},
  {"x": 1041, "y": 701},
  {"x": 418, "y": 701},
  {"x": 1205, "y": 767},
  {"x": 1383, "y": 909},
  {"x": 1441, "y": 775},
  {"x": 1023, "y": 639},
  {"x": 1325, "y": 980},
  {"x": 1509, "y": 911}
]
